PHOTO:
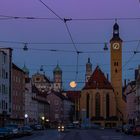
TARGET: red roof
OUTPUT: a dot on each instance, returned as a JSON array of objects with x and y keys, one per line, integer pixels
[{"x": 98, "y": 80}]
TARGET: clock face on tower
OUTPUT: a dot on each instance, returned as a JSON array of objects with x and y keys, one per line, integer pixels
[{"x": 116, "y": 46}]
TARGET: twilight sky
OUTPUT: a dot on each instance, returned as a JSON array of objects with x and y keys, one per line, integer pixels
[{"x": 54, "y": 31}]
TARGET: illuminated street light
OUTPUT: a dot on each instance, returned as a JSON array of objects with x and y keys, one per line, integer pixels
[
  {"x": 47, "y": 120},
  {"x": 26, "y": 117},
  {"x": 43, "y": 118}
]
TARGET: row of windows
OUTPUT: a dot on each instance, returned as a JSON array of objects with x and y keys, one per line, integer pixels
[
  {"x": 17, "y": 107},
  {"x": 97, "y": 105},
  {"x": 3, "y": 58},
  {"x": 116, "y": 63},
  {"x": 3, "y": 74},
  {"x": 17, "y": 79},
  {"x": 3, "y": 89},
  {"x": 3, "y": 105}
]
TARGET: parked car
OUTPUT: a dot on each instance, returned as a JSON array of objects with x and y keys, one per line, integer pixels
[
  {"x": 14, "y": 128},
  {"x": 136, "y": 130},
  {"x": 37, "y": 127},
  {"x": 27, "y": 130},
  {"x": 70, "y": 126},
  {"x": 119, "y": 128},
  {"x": 5, "y": 133},
  {"x": 126, "y": 127},
  {"x": 129, "y": 130}
]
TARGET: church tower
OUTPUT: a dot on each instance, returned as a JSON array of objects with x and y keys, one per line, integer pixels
[
  {"x": 57, "y": 73},
  {"x": 116, "y": 69},
  {"x": 88, "y": 70}
]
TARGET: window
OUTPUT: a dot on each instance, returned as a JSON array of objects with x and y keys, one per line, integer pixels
[
  {"x": 4, "y": 58},
  {"x": 37, "y": 79},
  {"x": 116, "y": 70},
  {"x": 116, "y": 64},
  {"x": 97, "y": 105},
  {"x": 6, "y": 106},
  {"x": 56, "y": 102},
  {"x": 87, "y": 105},
  {"x": 107, "y": 106},
  {"x": 6, "y": 75}
]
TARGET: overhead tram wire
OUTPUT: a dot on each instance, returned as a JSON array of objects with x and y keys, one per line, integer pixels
[
  {"x": 59, "y": 18},
  {"x": 64, "y": 43},
  {"x": 105, "y": 19},
  {"x": 76, "y": 50},
  {"x": 65, "y": 22},
  {"x": 50, "y": 10},
  {"x": 130, "y": 59}
]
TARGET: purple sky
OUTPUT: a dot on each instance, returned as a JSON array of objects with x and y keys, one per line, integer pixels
[{"x": 82, "y": 31}]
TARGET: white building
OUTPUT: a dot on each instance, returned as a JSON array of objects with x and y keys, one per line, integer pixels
[
  {"x": 31, "y": 106},
  {"x": 5, "y": 84}
]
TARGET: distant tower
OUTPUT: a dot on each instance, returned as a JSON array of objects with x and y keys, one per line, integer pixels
[
  {"x": 57, "y": 73},
  {"x": 116, "y": 68},
  {"x": 88, "y": 70},
  {"x": 26, "y": 70}
]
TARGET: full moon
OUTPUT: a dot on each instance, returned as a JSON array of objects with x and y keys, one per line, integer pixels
[{"x": 73, "y": 84}]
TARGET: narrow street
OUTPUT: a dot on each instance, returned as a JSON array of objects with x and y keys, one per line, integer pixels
[{"x": 106, "y": 134}]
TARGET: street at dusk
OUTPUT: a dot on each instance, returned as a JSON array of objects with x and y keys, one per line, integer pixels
[
  {"x": 80, "y": 135},
  {"x": 70, "y": 69}
]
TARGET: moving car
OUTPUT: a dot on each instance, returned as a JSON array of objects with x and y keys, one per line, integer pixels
[{"x": 61, "y": 128}]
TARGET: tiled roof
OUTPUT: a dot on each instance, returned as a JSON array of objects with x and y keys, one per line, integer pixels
[
  {"x": 98, "y": 80},
  {"x": 60, "y": 95},
  {"x": 14, "y": 66}
]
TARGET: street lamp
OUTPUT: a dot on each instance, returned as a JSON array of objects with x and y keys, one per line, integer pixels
[
  {"x": 43, "y": 118},
  {"x": 26, "y": 117},
  {"x": 47, "y": 120}
]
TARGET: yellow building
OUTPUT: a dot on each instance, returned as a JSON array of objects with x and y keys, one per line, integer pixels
[
  {"x": 97, "y": 102},
  {"x": 116, "y": 72},
  {"x": 102, "y": 102}
]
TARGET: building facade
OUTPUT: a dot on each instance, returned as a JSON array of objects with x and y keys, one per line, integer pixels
[
  {"x": 5, "y": 84},
  {"x": 130, "y": 92},
  {"x": 97, "y": 102},
  {"x": 41, "y": 81},
  {"x": 116, "y": 71},
  {"x": 18, "y": 95}
]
